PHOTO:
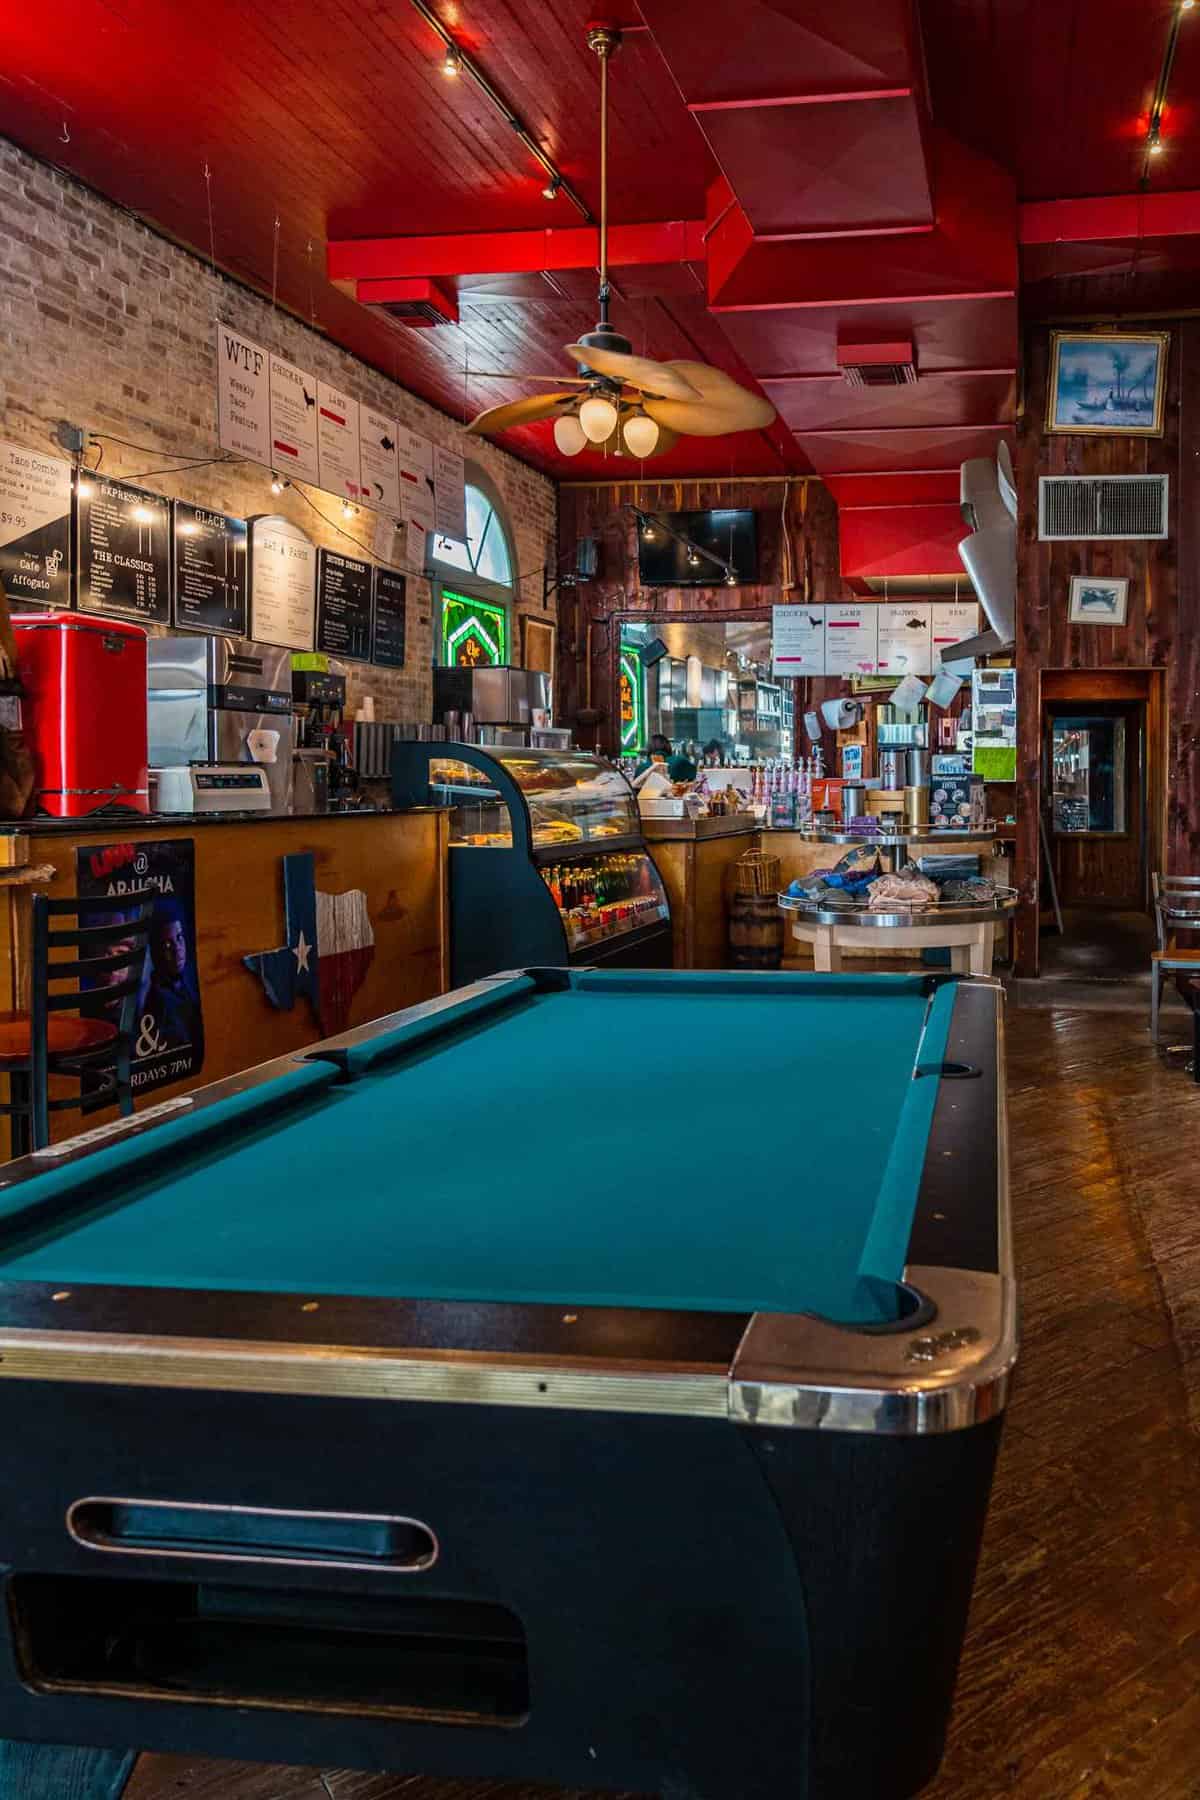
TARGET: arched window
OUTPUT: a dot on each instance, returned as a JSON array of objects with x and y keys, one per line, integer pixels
[{"x": 475, "y": 579}]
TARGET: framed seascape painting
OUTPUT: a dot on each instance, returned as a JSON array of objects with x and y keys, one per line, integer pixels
[
  {"x": 1108, "y": 382},
  {"x": 1098, "y": 600}
]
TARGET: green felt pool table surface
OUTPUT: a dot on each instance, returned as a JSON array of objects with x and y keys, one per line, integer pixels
[{"x": 714, "y": 1142}]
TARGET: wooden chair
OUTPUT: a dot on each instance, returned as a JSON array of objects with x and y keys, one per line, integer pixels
[
  {"x": 84, "y": 1032},
  {"x": 1176, "y": 899}
]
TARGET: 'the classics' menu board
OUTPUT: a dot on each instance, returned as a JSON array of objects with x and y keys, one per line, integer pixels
[
  {"x": 343, "y": 606},
  {"x": 387, "y": 640},
  {"x": 283, "y": 584},
  {"x": 35, "y": 527},
  {"x": 210, "y": 570},
  {"x": 124, "y": 550}
]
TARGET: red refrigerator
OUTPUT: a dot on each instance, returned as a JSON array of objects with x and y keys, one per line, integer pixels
[{"x": 84, "y": 712}]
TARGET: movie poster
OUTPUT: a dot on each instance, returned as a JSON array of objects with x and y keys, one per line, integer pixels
[{"x": 168, "y": 1027}]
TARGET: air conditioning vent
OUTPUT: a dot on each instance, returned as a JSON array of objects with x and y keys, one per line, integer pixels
[
  {"x": 1102, "y": 506},
  {"x": 878, "y": 365},
  {"x": 415, "y": 312}
]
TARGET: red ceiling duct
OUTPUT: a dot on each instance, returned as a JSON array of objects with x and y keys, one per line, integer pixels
[{"x": 411, "y": 301}]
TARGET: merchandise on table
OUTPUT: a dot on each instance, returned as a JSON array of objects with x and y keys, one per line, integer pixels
[{"x": 957, "y": 801}]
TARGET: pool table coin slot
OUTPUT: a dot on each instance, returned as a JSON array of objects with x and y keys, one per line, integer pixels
[{"x": 378, "y": 1542}]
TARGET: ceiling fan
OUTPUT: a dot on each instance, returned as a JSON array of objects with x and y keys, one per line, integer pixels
[{"x": 628, "y": 403}]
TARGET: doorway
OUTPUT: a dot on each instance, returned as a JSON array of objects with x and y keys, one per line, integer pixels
[{"x": 1104, "y": 801}]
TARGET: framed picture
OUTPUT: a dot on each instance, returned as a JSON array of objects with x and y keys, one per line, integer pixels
[
  {"x": 1098, "y": 600},
  {"x": 537, "y": 644},
  {"x": 1107, "y": 382}
]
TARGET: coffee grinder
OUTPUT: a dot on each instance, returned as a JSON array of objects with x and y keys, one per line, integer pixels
[{"x": 323, "y": 763}]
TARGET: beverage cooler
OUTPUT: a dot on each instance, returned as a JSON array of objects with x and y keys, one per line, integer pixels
[{"x": 547, "y": 862}]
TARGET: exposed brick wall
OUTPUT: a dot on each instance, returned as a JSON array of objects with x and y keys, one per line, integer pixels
[{"x": 109, "y": 326}]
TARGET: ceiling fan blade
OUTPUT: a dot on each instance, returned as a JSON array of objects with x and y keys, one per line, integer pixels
[
  {"x": 722, "y": 406},
  {"x": 639, "y": 371},
  {"x": 517, "y": 412}
]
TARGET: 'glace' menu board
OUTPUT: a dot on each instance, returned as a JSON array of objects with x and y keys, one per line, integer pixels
[
  {"x": 283, "y": 584},
  {"x": 343, "y": 606},
  {"x": 387, "y": 642},
  {"x": 210, "y": 570},
  {"x": 124, "y": 550}
]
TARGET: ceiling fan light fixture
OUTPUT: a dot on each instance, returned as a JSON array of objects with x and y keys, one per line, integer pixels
[
  {"x": 569, "y": 434},
  {"x": 598, "y": 417},
  {"x": 641, "y": 435}
]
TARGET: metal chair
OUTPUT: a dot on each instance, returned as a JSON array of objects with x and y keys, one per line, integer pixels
[
  {"x": 94, "y": 1045},
  {"x": 1176, "y": 905}
]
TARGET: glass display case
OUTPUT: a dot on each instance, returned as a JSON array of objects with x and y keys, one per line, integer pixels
[{"x": 547, "y": 862}]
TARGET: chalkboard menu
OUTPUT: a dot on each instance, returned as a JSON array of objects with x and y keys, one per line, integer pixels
[
  {"x": 124, "y": 550},
  {"x": 387, "y": 639},
  {"x": 343, "y": 606},
  {"x": 210, "y": 570},
  {"x": 35, "y": 527}
]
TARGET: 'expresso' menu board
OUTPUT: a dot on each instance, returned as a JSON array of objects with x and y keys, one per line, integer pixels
[
  {"x": 124, "y": 550},
  {"x": 35, "y": 527},
  {"x": 387, "y": 638},
  {"x": 210, "y": 571},
  {"x": 343, "y": 606}
]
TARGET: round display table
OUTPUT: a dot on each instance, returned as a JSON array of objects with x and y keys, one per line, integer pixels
[{"x": 965, "y": 929}]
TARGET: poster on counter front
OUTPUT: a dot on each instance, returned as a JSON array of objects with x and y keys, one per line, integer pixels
[
  {"x": 337, "y": 442},
  {"x": 168, "y": 1024},
  {"x": 35, "y": 527},
  {"x": 124, "y": 551},
  {"x": 851, "y": 638},
  {"x": 378, "y": 468},
  {"x": 243, "y": 396},
  {"x": 904, "y": 638},
  {"x": 343, "y": 606},
  {"x": 389, "y": 620},
  {"x": 450, "y": 494},
  {"x": 209, "y": 588},
  {"x": 798, "y": 640},
  {"x": 283, "y": 584},
  {"x": 294, "y": 422}
]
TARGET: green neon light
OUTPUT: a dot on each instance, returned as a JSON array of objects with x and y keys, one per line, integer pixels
[
  {"x": 633, "y": 699},
  {"x": 466, "y": 621}
]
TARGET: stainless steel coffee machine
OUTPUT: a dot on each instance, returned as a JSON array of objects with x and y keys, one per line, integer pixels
[{"x": 220, "y": 700}]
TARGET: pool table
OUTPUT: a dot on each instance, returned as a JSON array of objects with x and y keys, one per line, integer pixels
[{"x": 589, "y": 1377}]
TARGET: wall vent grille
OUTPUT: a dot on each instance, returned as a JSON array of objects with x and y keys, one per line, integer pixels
[{"x": 1102, "y": 506}]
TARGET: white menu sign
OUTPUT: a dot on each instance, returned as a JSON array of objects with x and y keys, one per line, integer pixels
[
  {"x": 450, "y": 496},
  {"x": 415, "y": 456},
  {"x": 377, "y": 460},
  {"x": 953, "y": 620},
  {"x": 798, "y": 640},
  {"x": 243, "y": 396},
  {"x": 851, "y": 639},
  {"x": 904, "y": 638},
  {"x": 283, "y": 584},
  {"x": 337, "y": 442},
  {"x": 293, "y": 421}
]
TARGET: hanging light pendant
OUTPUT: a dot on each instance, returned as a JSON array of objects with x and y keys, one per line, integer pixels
[{"x": 641, "y": 435}]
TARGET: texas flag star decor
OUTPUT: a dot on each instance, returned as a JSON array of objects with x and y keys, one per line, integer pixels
[{"x": 330, "y": 946}]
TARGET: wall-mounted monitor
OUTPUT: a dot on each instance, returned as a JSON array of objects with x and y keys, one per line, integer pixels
[{"x": 728, "y": 534}]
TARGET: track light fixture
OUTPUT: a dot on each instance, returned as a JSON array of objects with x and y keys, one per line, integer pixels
[
  {"x": 348, "y": 511},
  {"x": 451, "y": 62},
  {"x": 1154, "y": 143},
  {"x": 693, "y": 557},
  {"x": 550, "y": 191},
  {"x": 277, "y": 486},
  {"x": 731, "y": 579}
]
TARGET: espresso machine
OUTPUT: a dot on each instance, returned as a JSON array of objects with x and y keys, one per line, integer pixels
[
  {"x": 325, "y": 774},
  {"x": 220, "y": 707}
]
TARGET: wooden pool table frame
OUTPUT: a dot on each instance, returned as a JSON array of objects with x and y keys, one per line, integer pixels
[{"x": 944, "y": 1367}]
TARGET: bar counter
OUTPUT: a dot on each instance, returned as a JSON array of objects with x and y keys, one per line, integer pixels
[
  {"x": 396, "y": 859},
  {"x": 695, "y": 858}
]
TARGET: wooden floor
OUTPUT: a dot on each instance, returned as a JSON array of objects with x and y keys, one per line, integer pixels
[{"x": 1081, "y": 1675}]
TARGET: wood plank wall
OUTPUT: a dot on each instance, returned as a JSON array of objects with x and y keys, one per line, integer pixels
[
  {"x": 804, "y": 509},
  {"x": 1163, "y": 625}
]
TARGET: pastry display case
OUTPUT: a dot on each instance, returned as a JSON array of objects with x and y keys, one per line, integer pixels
[{"x": 547, "y": 862}]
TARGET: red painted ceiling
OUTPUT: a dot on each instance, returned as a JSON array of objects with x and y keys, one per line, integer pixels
[{"x": 815, "y": 117}]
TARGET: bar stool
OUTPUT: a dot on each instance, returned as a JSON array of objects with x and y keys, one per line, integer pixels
[
  {"x": 84, "y": 1033},
  {"x": 1176, "y": 907}
]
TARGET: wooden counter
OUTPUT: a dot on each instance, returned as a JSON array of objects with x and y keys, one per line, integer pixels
[
  {"x": 694, "y": 858},
  {"x": 397, "y": 859}
]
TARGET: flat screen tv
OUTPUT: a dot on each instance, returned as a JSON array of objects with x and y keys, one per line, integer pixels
[{"x": 729, "y": 534}]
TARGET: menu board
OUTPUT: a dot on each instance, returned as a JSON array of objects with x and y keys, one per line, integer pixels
[
  {"x": 124, "y": 536},
  {"x": 953, "y": 620},
  {"x": 904, "y": 638},
  {"x": 450, "y": 493},
  {"x": 387, "y": 638},
  {"x": 283, "y": 584},
  {"x": 293, "y": 421},
  {"x": 343, "y": 606},
  {"x": 851, "y": 638},
  {"x": 35, "y": 527},
  {"x": 210, "y": 571},
  {"x": 378, "y": 467},
  {"x": 243, "y": 396},
  {"x": 337, "y": 442},
  {"x": 797, "y": 640}
]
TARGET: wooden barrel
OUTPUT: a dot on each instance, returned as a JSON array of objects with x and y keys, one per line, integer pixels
[{"x": 755, "y": 931}]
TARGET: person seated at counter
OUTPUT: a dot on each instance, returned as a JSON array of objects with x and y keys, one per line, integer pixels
[{"x": 714, "y": 754}]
